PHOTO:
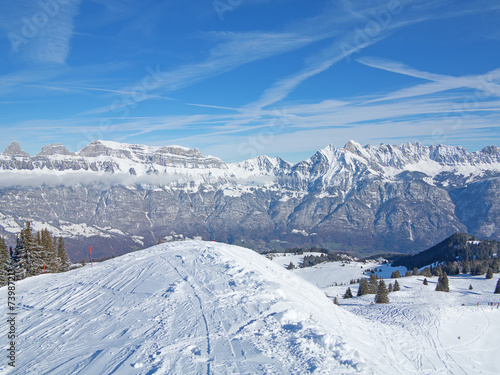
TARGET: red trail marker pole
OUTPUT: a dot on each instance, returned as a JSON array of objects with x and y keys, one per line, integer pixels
[{"x": 91, "y": 264}]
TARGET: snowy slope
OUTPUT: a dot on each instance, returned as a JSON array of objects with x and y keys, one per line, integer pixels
[
  {"x": 190, "y": 308},
  {"x": 437, "y": 333},
  {"x": 198, "y": 307}
]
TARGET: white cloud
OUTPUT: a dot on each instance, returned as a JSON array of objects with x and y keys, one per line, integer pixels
[{"x": 40, "y": 31}]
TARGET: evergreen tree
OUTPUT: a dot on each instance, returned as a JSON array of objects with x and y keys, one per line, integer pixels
[
  {"x": 382, "y": 293},
  {"x": 4, "y": 262},
  {"x": 372, "y": 284},
  {"x": 489, "y": 274},
  {"x": 495, "y": 266},
  {"x": 62, "y": 256},
  {"x": 470, "y": 287},
  {"x": 83, "y": 262},
  {"x": 31, "y": 262},
  {"x": 497, "y": 289},
  {"x": 437, "y": 271},
  {"x": 408, "y": 273},
  {"x": 397, "y": 288},
  {"x": 415, "y": 272},
  {"x": 18, "y": 259},
  {"x": 363, "y": 288},
  {"x": 336, "y": 301},
  {"x": 426, "y": 272},
  {"x": 49, "y": 254},
  {"x": 348, "y": 293},
  {"x": 425, "y": 281},
  {"x": 390, "y": 288},
  {"x": 291, "y": 266},
  {"x": 395, "y": 275},
  {"x": 443, "y": 284}
]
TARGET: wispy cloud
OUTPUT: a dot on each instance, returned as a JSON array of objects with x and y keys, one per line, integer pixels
[
  {"x": 485, "y": 83},
  {"x": 39, "y": 31}
]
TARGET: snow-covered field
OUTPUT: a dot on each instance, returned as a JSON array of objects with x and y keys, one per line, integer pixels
[
  {"x": 438, "y": 333},
  {"x": 198, "y": 307}
]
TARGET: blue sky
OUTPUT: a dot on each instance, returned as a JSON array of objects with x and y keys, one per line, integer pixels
[{"x": 239, "y": 78}]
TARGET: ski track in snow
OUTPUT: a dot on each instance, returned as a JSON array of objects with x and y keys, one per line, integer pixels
[
  {"x": 186, "y": 308},
  {"x": 431, "y": 330},
  {"x": 198, "y": 307}
]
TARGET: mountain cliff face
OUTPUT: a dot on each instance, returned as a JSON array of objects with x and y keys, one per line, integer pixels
[{"x": 117, "y": 197}]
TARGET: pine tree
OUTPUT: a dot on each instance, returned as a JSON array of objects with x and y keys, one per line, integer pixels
[
  {"x": 437, "y": 271},
  {"x": 497, "y": 289},
  {"x": 470, "y": 287},
  {"x": 489, "y": 274},
  {"x": 291, "y": 266},
  {"x": 426, "y": 272},
  {"x": 397, "y": 288},
  {"x": 408, "y": 273},
  {"x": 390, "y": 288},
  {"x": 495, "y": 266},
  {"x": 382, "y": 293},
  {"x": 363, "y": 288},
  {"x": 49, "y": 253},
  {"x": 443, "y": 284},
  {"x": 372, "y": 284},
  {"x": 425, "y": 281},
  {"x": 18, "y": 259},
  {"x": 4, "y": 262},
  {"x": 348, "y": 293},
  {"x": 415, "y": 272},
  {"x": 395, "y": 275},
  {"x": 62, "y": 256},
  {"x": 29, "y": 252}
]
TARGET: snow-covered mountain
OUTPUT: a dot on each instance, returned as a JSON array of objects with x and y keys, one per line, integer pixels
[
  {"x": 195, "y": 307},
  {"x": 117, "y": 196}
]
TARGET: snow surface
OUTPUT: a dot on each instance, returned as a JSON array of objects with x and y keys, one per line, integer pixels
[
  {"x": 436, "y": 332},
  {"x": 197, "y": 307}
]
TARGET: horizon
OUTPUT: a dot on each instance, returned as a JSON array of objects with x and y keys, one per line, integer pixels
[{"x": 238, "y": 79}]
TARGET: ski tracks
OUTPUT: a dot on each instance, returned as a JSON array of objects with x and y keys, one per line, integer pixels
[{"x": 214, "y": 325}]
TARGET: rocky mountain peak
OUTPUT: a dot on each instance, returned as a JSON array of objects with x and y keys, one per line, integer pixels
[
  {"x": 15, "y": 150},
  {"x": 54, "y": 149},
  {"x": 353, "y": 146}
]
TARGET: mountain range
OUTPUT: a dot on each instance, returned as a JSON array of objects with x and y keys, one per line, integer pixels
[{"x": 119, "y": 197}]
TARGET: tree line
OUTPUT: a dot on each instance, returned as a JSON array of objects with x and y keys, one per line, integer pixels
[{"x": 35, "y": 253}]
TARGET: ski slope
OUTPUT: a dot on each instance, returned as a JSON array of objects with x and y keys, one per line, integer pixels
[
  {"x": 187, "y": 308},
  {"x": 197, "y": 307},
  {"x": 438, "y": 333}
]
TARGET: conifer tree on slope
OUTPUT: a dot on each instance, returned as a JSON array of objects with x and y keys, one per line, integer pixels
[
  {"x": 27, "y": 253},
  {"x": 489, "y": 274},
  {"x": 396, "y": 288},
  {"x": 497, "y": 289},
  {"x": 382, "y": 295},
  {"x": 34, "y": 245},
  {"x": 49, "y": 254},
  {"x": 62, "y": 256},
  {"x": 443, "y": 283},
  {"x": 4, "y": 262},
  {"x": 363, "y": 288},
  {"x": 372, "y": 284},
  {"x": 19, "y": 259},
  {"x": 348, "y": 293}
]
